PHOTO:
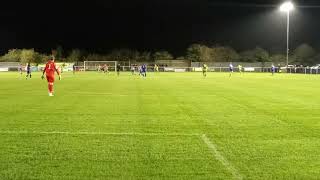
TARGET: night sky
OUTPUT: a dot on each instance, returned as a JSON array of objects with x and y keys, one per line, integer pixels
[{"x": 101, "y": 25}]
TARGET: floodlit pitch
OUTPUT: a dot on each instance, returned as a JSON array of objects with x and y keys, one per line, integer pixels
[{"x": 165, "y": 126}]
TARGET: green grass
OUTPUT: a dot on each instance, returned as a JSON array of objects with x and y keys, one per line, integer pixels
[{"x": 108, "y": 127}]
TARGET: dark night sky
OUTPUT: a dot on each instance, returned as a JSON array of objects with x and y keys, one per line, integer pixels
[{"x": 99, "y": 25}]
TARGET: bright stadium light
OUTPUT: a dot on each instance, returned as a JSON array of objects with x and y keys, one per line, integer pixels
[{"x": 287, "y": 7}]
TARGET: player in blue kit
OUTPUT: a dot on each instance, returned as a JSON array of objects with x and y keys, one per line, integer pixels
[{"x": 144, "y": 70}]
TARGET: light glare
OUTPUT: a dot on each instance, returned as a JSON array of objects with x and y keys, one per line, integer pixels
[{"x": 287, "y": 7}]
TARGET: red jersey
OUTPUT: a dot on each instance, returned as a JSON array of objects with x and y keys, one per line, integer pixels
[{"x": 51, "y": 68}]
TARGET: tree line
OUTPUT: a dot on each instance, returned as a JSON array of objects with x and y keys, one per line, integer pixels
[{"x": 304, "y": 54}]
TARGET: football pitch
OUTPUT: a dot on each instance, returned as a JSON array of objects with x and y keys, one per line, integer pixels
[{"x": 166, "y": 126}]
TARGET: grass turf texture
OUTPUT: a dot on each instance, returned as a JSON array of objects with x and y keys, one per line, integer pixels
[{"x": 109, "y": 127}]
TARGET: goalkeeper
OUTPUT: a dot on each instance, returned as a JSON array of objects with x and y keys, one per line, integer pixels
[
  {"x": 204, "y": 70},
  {"x": 49, "y": 70}
]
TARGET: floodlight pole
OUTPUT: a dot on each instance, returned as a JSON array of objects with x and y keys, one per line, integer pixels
[
  {"x": 288, "y": 34},
  {"x": 287, "y": 7}
]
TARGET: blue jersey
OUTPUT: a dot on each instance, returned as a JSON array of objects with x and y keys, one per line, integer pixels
[
  {"x": 144, "y": 68},
  {"x": 273, "y": 69}
]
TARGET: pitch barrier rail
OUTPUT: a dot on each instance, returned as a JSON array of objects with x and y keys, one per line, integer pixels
[{"x": 291, "y": 70}]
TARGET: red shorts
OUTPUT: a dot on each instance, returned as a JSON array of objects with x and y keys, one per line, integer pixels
[{"x": 50, "y": 79}]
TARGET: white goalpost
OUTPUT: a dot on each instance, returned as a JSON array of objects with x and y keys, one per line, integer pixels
[{"x": 97, "y": 65}]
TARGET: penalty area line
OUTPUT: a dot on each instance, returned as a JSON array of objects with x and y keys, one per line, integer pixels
[
  {"x": 221, "y": 158},
  {"x": 107, "y": 94},
  {"x": 115, "y": 94},
  {"x": 97, "y": 133}
]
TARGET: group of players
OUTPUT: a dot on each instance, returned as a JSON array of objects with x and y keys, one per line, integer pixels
[
  {"x": 142, "y": 70},
  {"x": 28, "y": 70},
  {"x": 231, "y": 69},
  {"x": 51, "y": 68},
  {"x": 105, "y": 68},
  {"x": 49, "y": 71}
]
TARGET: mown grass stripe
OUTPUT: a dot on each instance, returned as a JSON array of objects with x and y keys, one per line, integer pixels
[{"x": 97, "y": 133}]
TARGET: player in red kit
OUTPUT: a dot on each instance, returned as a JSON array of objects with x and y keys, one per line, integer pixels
[{"x": 49, "y": 70}]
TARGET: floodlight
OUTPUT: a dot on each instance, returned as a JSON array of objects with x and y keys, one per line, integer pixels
[{"x": 287, "y": 7}]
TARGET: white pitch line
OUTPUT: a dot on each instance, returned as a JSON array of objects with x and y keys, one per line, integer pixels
[
  {"x": 96, "y": 133},
  {"x": 97, "y": 93},
  {"x": 115, "y": 94},
  {"x": 221, "y": 158}
]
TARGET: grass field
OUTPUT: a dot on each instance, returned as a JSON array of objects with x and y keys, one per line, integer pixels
[{"x": 167, "y": 126}]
